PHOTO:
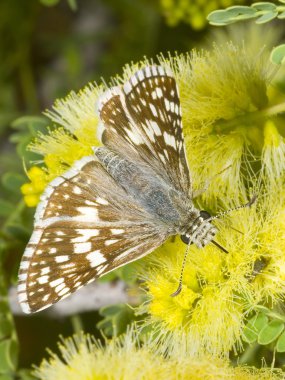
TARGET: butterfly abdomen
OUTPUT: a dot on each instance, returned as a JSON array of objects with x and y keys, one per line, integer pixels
[{"x": 149, "y": 191}]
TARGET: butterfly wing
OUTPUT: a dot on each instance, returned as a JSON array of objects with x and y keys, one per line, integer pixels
[
  {"x": 143, "y": 120},
  {"x": 85, "y": 226}
]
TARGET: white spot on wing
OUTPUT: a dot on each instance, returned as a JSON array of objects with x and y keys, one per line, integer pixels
[
  {"x": 87, "y": 214},
  {"x": 159, "y": 92},
  {"x": 84, "y": 235},
  {"x": 95, "y": 258},
  {"x": 56, "y": 282},
  {"x": 82, "y": 247},
  {"x": 111, "y": 241},
  {"x": 116, "y": 231},
  {"x": 43, "y": 279},
  {"x": 169, "y": 139},
  {"x": 62, "y": 258},
  {"x": 153, "y": 109},
  {"x": 102, "y": 201},
  {"x": 25, "y": 307}
]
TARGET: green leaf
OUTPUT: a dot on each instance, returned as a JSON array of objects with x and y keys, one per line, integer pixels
[
  {"x": 267, "y": 17},
  {"x": 264, "y": 6},
  {"x": 238, "y": 13},
  {"x": 280, "y": 345},
  {"x": 13, "y": 181},
  {"x": 8, "y": 355},
  {"x": 270, "y": 332},
  {"x": 6, "y": 208},
  {"x": 230, "y": 15},
  {"x": 281, "y": 16},
  {"x": 254, "y": 326},
  {"x": 128, "y": 273},
  {"x": 219, "y": 18},
  {"x": 18, "y": 231},
  {"x": 278, "y": 55},
  {"x": 116, "y": 318},
  {"x": 21, "y": 123}
]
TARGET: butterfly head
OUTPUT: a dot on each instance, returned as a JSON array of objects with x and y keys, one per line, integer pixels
[{"x": 200, "y": 231}]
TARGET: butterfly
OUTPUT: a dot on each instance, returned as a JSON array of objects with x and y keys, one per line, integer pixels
[{"x": 122, "y": 202}]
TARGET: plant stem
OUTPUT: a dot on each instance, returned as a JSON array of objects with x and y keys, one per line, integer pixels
[
  {"x": 249, "y": 118},
  {"x": 76, "y": 323}
]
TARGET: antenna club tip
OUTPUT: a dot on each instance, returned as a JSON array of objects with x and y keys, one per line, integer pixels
[{"x": 178, "y": 291}]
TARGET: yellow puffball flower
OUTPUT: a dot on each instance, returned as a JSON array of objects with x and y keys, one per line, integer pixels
[
  {"x": 32, "y": 191},
  {"x": 82, "y": 358}
]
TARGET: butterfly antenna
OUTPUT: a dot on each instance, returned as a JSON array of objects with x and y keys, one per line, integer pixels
[
  {"x": 181, "y": 273},
  {"x": 235, "y": 229},
  {"x": 219, "y": 246},
  {"x": 248, "y": 204}
]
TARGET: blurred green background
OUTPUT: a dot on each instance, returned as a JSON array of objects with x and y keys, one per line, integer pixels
[{"x": 47, "y": 49}]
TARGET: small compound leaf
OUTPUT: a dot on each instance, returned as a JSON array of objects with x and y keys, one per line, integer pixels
[
  {"x": 116, "y": 319},
  {"x": 254, "y": 326},
  {"x": 264, "y": 6},
  {"x": 267, "y": 17},
  {"x": 281, "y": 16},
  {"x": 240, "y": 10},
  {"x": 280, "y": 345},
  {"x": 219, "y": 18},
  {"x": 278, "y": 55},
  {"x": 32, "y": 123},
  {"x": 270, "y": 332},
  {"x": 6, "y": 208},
  {"x": 13, "y": 181}
]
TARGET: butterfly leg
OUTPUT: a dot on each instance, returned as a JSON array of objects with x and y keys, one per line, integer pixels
[{"x": 197, "y": 193}]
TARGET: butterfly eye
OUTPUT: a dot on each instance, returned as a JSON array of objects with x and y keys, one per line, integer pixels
[
  {"x": 185, "y": 239},
  {"x": 205, "y": 215}
]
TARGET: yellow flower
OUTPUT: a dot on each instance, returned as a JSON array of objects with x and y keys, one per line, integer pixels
[
  {"x": 81, "y": 358},
  {"x": 221, "y": 93},
  {"x": 273, "y": 153},
  {"x": 219, "y": 290},
  {"x": 33, "y": 190}
]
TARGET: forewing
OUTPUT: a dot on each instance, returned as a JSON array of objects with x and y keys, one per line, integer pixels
[
  {"x": 85, "y": 226},
  {"x": 143, "y": 119}
]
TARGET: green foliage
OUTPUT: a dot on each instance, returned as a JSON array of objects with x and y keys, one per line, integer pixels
[
  {"x": 278, "y": 55},
  {"x": 115, "y": 319},
  {"x": 266, "y": 327},
  {"x": 262, "y": 12}
]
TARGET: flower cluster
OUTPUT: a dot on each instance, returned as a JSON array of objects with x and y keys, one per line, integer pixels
[
  {"x": 124, "y": 359},
  {"x": 235, "y": 151}
]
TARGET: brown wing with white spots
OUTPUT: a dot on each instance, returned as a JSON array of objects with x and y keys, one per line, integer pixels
[
  {"x": 143, "y": 120},
  {"x": 85, "y": 226}
]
